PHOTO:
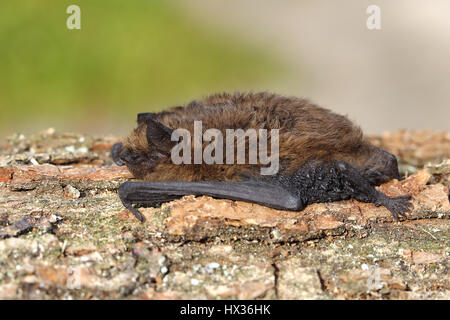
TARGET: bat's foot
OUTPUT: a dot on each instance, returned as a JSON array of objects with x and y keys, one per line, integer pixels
[{"x": 397, "y": 205}]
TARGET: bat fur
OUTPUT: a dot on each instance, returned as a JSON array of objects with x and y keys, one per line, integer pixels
[{"x": 323, "y": 156}]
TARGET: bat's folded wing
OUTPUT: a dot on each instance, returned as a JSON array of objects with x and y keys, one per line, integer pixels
[{"x": 259, "y": 192}]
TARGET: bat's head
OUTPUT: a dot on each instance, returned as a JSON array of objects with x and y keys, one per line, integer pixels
[
  {"x": 149, "y": 144},
  {"x": 376, "y": 165}
]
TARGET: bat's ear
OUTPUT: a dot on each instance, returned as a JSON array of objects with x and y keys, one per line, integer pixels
[
  {"x": 142, "y": 117},
  {"x": 159, "y": 136}
]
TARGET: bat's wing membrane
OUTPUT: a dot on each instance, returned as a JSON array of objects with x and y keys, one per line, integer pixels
[{"x": 259, "y": 192}]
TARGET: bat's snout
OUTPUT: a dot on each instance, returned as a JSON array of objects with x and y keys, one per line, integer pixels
[{"x": 116, "y": 149}]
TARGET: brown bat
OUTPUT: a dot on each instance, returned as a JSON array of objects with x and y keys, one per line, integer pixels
[{"x": 323, "y": 156}]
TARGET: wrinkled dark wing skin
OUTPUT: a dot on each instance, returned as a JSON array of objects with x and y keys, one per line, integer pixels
[
  {"x": 259, "y": 192},
  {"x": 318, "y": 182}
]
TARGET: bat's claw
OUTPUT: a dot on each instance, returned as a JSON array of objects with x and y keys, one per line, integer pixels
[
  {"x": 124, "y": 191},
  {"x": 136, "y": 213},
  {"x": 399, "y": 206}
]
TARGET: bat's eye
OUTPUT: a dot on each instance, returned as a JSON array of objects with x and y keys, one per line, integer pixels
[
  {"x": 154, "y": 158},
  {"x": 125, "y": 156},
  {"x": 131, "y": 158},
  {"x": 157, "y": 156}
]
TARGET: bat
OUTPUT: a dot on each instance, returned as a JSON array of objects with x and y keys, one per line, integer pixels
[{"x": 322, "y": 156}]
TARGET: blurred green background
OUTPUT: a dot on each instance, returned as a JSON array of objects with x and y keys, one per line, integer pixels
[
  {"x": 147, "y": 55},
  {"x": 128, "y": 57}
]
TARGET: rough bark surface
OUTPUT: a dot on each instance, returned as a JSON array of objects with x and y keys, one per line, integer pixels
[{"x": 64, "y": 233}]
